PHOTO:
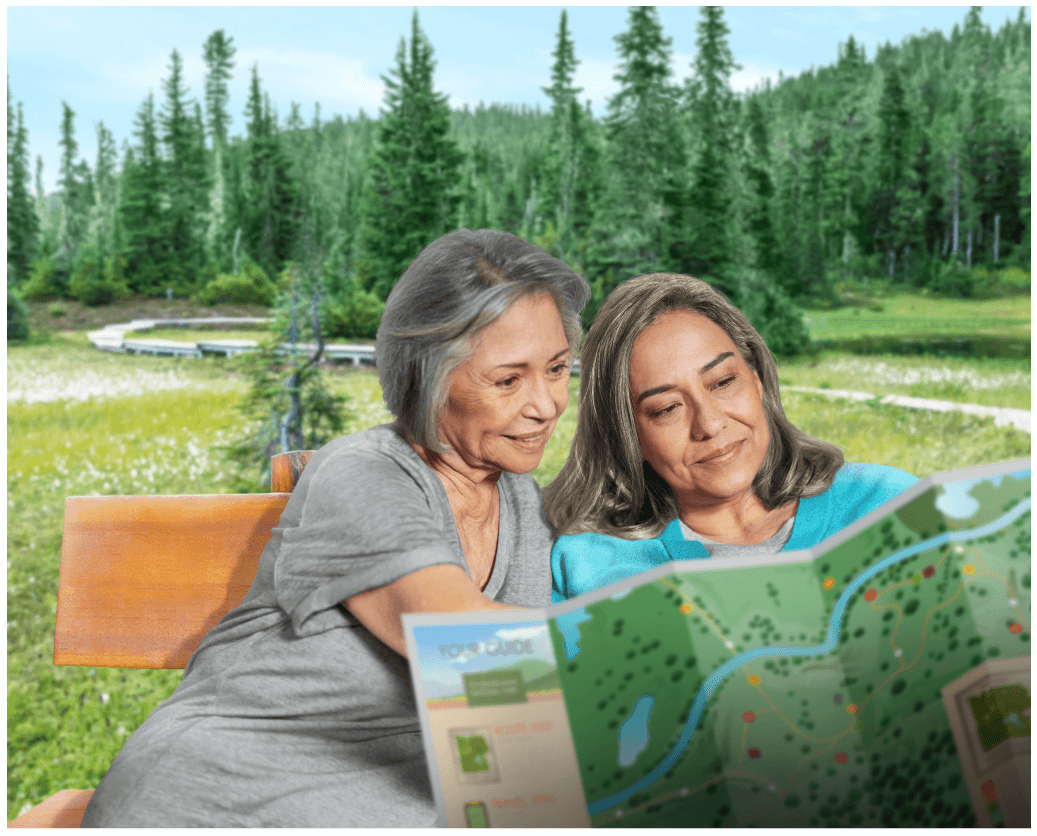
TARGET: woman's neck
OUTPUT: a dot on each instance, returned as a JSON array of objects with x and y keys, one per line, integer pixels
[
  {"x": 472, "y": 491},
  {"x": 746, "y": 521}
]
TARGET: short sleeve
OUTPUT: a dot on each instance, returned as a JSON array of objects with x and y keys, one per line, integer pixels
[{"x": 367, "y": 518}]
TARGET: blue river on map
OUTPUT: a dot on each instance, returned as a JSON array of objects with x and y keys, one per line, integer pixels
[{"x": 569, "y": 626}]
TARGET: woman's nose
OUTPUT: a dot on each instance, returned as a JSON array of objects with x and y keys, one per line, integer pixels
[
  {"x": 547, "y": 399},
  {"x": 707, "y": 420}
]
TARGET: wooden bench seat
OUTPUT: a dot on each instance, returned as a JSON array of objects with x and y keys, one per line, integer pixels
[{"x": 144, "y": 578}]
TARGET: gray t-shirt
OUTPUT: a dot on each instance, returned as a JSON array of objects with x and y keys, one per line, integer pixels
[
  {"x": 291, "y": 713},
  {"x": 771, "y": 545}
]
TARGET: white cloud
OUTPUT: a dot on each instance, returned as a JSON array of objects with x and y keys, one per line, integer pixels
[
  {"x": 339, "y": 84},
  {"x": 752, "y": 76},
  {"x": 595, "y": 77}
]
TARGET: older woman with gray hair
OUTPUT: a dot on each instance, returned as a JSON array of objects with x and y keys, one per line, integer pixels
[
  {"x": 682, "y": 448},
  {"x": 297, "y": 709}
]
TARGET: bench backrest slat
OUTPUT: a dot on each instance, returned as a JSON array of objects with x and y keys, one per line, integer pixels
[{"x": 144, "y": 578}]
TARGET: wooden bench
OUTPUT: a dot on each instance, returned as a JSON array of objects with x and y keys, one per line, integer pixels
[{"x": 144, "y": 578}]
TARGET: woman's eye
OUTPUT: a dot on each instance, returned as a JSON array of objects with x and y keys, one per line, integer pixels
[
  {"x": 725, "y": 382},
  {"x": 561, "y": 368},
  {"x": 508, "y": 381},
  {"x": 659, "y": 413}
]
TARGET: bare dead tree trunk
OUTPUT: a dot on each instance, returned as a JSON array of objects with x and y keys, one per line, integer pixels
[
  {"x": 957, "y": 212},
  {"x": 968, "y": 251},
  {"x": 997, "y": 235}
]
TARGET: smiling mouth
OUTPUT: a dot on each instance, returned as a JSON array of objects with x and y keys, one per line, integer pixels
[
  {"x": 529, "y": 439},
  {"x": 723, "y": 455}
]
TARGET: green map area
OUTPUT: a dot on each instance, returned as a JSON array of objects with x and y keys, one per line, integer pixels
[
  {"x": 855, "y": 734},
  {"x": 473, "y": 752}
]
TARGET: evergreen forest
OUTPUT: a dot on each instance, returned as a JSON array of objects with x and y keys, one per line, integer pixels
[{"x": 910, "y": 167}]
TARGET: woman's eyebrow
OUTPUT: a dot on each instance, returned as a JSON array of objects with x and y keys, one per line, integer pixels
[
  {"x": 524, "y": 365},
  {"x": 716, "y": 361}
]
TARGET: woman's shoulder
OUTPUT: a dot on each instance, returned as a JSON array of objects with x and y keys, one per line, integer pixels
[
  {"x": 582, "y": 562},
  {"x": 854, "y": 478}
]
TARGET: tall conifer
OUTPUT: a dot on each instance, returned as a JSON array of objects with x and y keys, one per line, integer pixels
[
  {"x": 411, "y": 198},
  {"x": 22, "y": 223}
]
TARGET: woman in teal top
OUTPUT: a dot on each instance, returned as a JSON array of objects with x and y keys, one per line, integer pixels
[{"x": 682, "y": 448}]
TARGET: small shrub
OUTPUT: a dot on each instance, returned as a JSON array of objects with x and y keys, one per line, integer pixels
[
  {"x": 356, "y": 314},
  {"x": 41, "y": 281},
  {"x": 57, "y": 309},
  {"x": 94, "y": 283},
  {"x": 249, "y": 286},
  {"x": 17, "y": 318}
]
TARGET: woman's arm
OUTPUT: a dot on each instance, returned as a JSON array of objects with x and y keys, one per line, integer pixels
[{"x": 441, "y": 588}]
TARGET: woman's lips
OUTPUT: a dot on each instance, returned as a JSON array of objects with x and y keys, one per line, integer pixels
[{"x": 723, "y": 455}]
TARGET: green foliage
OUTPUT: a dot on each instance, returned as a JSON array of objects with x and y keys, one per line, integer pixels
[
  {"x": 774, "y": 315},
  {"x": 17, "y": 318},
  {"x": 41, "y": 283},
  {"x": 411, "y": 196},
  {"x": 22, "y": 222},
  {"x": 249, "y": 286},
  {"x": 355, "y": 314},
  {"x": 97, "y": 283}
]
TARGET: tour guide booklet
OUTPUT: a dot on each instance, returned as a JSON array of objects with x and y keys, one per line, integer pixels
[{"x": 881, "y": 678}]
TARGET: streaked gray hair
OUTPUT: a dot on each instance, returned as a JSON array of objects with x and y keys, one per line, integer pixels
[
  {"x": 458, "y": 285},
  {"x": 606, "y": 486}
]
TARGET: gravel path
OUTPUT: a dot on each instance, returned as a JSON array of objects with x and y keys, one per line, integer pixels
[{"x": 1003, "y": 416}]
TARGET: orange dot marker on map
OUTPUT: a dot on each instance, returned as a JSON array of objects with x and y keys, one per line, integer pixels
[
  {"x": 870, "y": 595},
  {"x": 968, "y": 569},
  {"x": 748, "y": 716},
  {"x": 753, "y": 679},
  {"x": 829, "y": 583},
  {"x": 1015, "y": 627},
  {"x": 851, "y": 708},
  {"x": 685, "y": 608}
]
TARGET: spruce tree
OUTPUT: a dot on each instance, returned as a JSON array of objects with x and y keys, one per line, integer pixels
[
  {"x": 711, "y": 106},
  {"x": 218, "y": 52},
  {"x": 22, "y": 223},
  {"x": 568, "y": 190},
  {"x": 186, "y": 176},
  {"x": 411, "y": 193},
  {"x": 270, "y": 222},
  {"x": 142, "y": 210},
  {"x": 645, "y": 151},
  {"x": 73, "y": 192}
]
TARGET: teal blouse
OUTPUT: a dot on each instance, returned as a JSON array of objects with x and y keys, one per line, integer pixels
[{"x": 582, "y": 562}]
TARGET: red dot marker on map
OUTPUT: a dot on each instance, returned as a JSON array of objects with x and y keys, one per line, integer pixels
[
  {"x": 748, "y": 716},
  {"x": 841, "y": 757},
  {"x": 754, "y": 753},
  {"x": 870, "y": 595},
  {"x": 928, "y": 572}
]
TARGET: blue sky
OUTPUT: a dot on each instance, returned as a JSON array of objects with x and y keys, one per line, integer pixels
[{"x": 104, "y": 60}]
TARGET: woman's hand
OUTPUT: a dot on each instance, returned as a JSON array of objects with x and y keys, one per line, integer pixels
[{"x": 442, "y": 588}]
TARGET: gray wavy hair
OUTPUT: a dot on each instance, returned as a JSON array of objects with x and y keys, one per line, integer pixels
[
  {"x": 458, "y": 285},
  {"x": 606, "y": 486}
]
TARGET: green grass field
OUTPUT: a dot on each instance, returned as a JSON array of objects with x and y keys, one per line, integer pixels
[{"x": 81, "y": 421}]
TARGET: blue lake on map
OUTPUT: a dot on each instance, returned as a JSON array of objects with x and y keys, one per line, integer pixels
[{"x": 633, "y": 734}]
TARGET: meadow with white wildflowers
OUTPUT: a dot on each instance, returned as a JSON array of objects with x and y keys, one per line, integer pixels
[{"x": 82, "y": 422}]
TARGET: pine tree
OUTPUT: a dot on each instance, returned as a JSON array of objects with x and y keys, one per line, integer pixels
[
  {"x": 270, "y": 223},
  {"x": 74, "y": 191},
  {"x": 411, "y": 194},
  {"x": 568, "y": 188},
  {"x": 22, "y": 223},
  {"x": 769, "y": 255},
  {"x": 645, "y": 149},
  {"x": 711, "y": 106},
  {"x": 142, "y": 206},
  {"x": 186, "y": 176},
  {"x": 218, "y": 52}
]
